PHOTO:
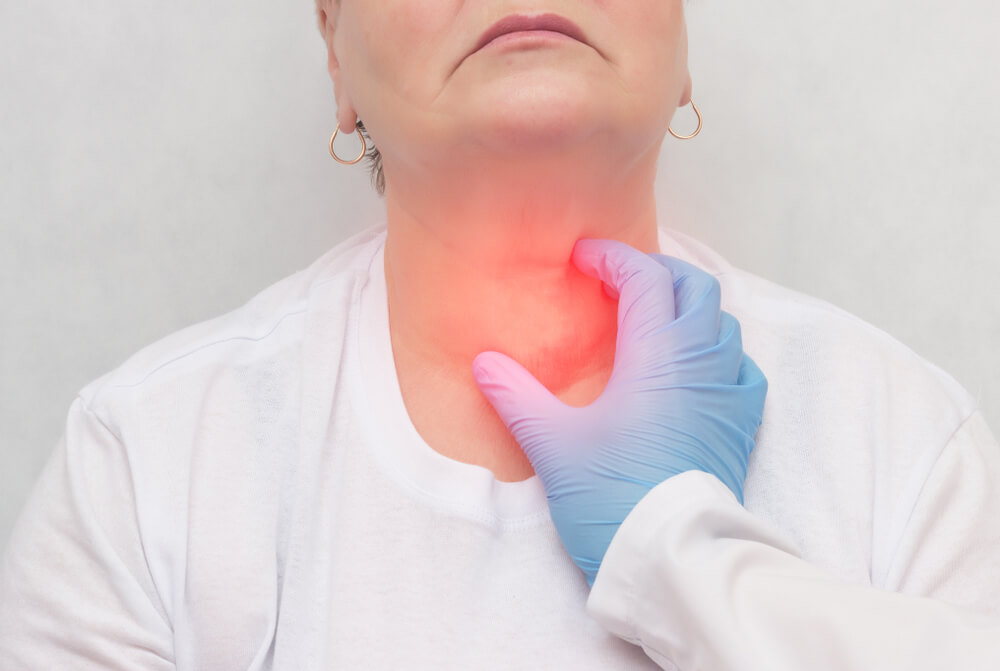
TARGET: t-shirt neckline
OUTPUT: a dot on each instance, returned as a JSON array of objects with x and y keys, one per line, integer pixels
[{"x": 464, "y": 489}]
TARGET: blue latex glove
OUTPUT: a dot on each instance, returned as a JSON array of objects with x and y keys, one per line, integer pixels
[{"x": 682, "y": 396}]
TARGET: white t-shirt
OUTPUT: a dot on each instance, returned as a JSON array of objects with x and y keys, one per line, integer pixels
[{"x": 249, "y": 493}]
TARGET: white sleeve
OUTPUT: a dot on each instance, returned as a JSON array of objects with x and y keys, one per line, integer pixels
[
  {"x": 702, "y": 584},
  {"x": 75, "y": 591}
]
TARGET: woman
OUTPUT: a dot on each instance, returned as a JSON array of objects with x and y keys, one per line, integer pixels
[{"x": 315, "y": 480}]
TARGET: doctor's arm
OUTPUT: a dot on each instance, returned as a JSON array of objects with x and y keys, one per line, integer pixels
[
  {"x": 699, "y": 582},
  {"x": 644, "y": 487}
]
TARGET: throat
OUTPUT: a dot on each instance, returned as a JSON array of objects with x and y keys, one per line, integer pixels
[{"x": 453, "y": 417}]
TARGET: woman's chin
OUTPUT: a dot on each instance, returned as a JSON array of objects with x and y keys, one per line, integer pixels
[{"x": 537, "y": 124}]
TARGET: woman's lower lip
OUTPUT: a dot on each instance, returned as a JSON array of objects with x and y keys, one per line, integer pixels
[{"x": 522, "y": 34}]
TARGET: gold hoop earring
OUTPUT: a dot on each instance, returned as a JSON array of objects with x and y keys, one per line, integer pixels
[
  {"x": 696, "y": 130},
  {"x": 364, "y": 146}
]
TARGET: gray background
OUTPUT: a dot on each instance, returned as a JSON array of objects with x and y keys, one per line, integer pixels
[{"x": 163, "y": 162}]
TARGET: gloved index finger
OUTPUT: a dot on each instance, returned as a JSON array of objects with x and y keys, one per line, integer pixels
[
  {"x": 697, "y": 301},
  {"x": 645, "y": 288}
]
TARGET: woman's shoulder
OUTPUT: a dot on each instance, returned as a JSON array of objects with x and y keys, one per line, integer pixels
[
  {"x": 818, "y": 346},
  {"x": 270, "y": 324}
]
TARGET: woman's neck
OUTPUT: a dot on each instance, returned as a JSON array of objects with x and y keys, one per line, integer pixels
[{"x": 504, "y": 281}]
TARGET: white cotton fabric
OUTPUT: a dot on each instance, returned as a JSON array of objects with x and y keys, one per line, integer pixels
[
  {"x": 249, "y": 493},
  {"x": 702, "y": 584}
]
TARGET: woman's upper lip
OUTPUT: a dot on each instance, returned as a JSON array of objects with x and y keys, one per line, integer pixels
[{"x": 516, "y": 22}]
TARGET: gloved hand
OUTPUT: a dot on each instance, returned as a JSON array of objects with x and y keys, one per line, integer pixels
[{"x": 682, "y": 396}]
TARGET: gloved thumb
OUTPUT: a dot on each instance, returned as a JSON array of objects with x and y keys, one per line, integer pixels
[{"x": 527, "y": 408}]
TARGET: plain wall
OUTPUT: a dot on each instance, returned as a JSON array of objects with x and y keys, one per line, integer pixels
[{"x": 163, "y": 162}]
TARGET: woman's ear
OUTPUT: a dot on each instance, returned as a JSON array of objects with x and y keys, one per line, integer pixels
[
  {"x": 323, "y": 8},
  {"x": 686, "y": 95},
  {"x": 321, "y": 19},
  {"x": 327, "y": 12},
  {"x": 326, "y": 18}
]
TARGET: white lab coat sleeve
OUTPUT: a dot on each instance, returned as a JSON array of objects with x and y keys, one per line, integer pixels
[
  {"x": 75, "y": 591},
  {"x": 702, "y": 584}
]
